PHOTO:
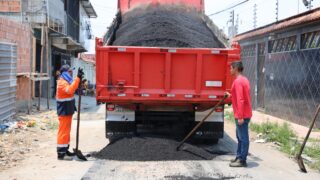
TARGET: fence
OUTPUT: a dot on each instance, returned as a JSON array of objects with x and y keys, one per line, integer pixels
[
  {"x": 285, "y": 73},
  {"x": 8, "y": 82}
]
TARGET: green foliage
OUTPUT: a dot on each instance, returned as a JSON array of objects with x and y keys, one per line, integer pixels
[
  {"x": 228, "y": 115},
  {"x": 287, "y": 140}
]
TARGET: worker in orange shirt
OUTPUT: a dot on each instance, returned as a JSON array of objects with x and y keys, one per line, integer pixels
[{"x": 66, "y": 88}]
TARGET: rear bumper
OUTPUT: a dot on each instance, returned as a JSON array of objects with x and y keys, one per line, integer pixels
[
  {"x": 123, "y": 122},
  {"x": 209, "y": 130}
]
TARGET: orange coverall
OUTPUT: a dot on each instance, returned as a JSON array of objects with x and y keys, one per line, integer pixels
[{"x": 65, "y": 109}]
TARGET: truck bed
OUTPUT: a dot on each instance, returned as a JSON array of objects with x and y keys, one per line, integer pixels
[{"x": 147, "y": 76}]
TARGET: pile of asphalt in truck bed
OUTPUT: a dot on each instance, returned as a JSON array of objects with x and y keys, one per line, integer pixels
[
  {"x": 151, "y": 149},
  {"x": 162, "y": 26}
]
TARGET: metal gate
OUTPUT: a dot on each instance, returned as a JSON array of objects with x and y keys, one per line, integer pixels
[
  {"x": 284, "y": 72},
  {"x": 248, "y": 57},
  {"x": 8, "y": 81}
]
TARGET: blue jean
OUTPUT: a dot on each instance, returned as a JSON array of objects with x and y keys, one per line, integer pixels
[{"x": 242, "y": 132}]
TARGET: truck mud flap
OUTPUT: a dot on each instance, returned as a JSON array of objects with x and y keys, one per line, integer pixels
[
  {"x": 209, "y": 130},
  {"x": 120, "y": 129}
]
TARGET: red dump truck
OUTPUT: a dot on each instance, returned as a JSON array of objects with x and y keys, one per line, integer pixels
[{"x": 152, "y": 87}]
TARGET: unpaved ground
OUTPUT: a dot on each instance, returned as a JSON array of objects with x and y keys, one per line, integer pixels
[
  {"x": 25, "y": 135},
  {"x": 264, "y": 162}
]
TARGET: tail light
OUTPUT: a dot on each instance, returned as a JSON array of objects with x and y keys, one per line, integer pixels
[
  {"x": 110, "y": 107},
  {"x": 219, "y": 109}
]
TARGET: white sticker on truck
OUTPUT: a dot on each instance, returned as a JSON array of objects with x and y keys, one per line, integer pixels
[
  {"x": 213, "y": 83},
  {"x": 122, "y": 49}
]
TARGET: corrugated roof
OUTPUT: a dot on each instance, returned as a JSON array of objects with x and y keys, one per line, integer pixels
[
  {"x": 88, "y": 58},
  {"x": 303, "y": 18},
  {"x": 86, "y": 4}
]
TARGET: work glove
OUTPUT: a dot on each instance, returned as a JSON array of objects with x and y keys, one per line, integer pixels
[{"x": 80, "y": 73}]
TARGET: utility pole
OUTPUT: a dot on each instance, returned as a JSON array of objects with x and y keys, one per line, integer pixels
[
  {"x": 41, "y": 64},
  {"x": 277, "y": 10},
  {"x": 232, "y": 27},
  {"x": 237, "y": 25},
  {"x": 255, "y": 16},
  {"x": 48, "y": 66}
]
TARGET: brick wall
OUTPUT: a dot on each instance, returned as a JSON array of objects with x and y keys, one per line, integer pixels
[
  {"x": 14, "y": 32},
  {"x": 10, "y": 6}
]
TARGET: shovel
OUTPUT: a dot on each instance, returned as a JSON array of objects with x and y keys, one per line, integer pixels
[
  {"x": 200, "y": 123},
  {"x": 76, "y": 150},
  {"x": 298, "y": 157}
]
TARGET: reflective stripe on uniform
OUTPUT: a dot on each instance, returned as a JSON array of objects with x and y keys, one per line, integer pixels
[
  {"x": 62, "y": 145},
  {"x": 64, "y": 99},
  {"x": 67, "y": 89}
]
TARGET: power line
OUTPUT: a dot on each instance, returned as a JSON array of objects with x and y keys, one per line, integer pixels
[{"x": 242, "y": 2}]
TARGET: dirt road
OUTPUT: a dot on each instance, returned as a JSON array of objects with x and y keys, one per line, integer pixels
[{"x": 264, "y": 162}]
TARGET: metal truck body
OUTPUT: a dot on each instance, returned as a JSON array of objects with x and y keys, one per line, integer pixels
[{"x": 142, "y": 85}]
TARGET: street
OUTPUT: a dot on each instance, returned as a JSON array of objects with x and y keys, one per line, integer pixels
[
  {"x": 158, "y": 67},
  {"x": 264, "y": 162}
]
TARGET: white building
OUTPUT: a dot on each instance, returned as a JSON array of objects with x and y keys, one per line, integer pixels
[{"x": 88, "y": 63}]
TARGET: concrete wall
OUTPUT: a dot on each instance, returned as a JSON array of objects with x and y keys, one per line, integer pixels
[
  {"x": 84, "y": 22},
  {"x": 13, "y": 32}
]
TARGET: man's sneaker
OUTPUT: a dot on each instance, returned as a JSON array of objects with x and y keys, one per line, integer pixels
[
  {"x": 238, "y": 163},
  {"x": 70, "y": 153},
  {"x": 234, "y": 160},
  {"x": 65, "y": 158}
]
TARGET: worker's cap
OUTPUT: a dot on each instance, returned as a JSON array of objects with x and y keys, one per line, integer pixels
[{"x": 65, "y": 68}]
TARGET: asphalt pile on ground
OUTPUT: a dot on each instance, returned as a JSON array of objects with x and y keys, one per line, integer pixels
[
  {"x": 165, "y": 26},
  {"x": 151, "y": 149}
]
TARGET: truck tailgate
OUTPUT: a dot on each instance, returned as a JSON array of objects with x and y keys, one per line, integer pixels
[{"x": 162, "y": 75}]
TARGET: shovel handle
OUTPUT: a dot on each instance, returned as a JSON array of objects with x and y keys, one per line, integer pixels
[
  {"x": 78, "y": 116},
  {"x": 310, "y": 129}
]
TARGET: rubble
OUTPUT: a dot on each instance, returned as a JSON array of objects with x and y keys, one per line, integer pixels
[
  {"x": 260, "y": 141},
  {"x": 21, "y": 136}
]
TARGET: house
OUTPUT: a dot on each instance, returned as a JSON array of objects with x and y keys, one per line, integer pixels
[{"x": 48, "y": 34}]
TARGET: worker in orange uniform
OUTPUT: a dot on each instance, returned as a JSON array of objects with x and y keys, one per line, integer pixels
[{"x": 66, "y": 88}]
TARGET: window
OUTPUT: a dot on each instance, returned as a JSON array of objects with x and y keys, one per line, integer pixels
[
  {"x": 310, "y": 40},
  {"x": 248, "y": 51},
  {"x": 282, "y": 44}
]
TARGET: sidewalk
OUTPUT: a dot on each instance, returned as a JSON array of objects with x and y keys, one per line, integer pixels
[{"x": 300, "y": 130}]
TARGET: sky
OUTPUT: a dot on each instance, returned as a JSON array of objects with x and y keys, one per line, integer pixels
[{"x": 266, "y": 13}]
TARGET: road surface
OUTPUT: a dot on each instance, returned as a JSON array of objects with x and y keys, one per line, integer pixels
[{"x": 264, "y": 161}]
